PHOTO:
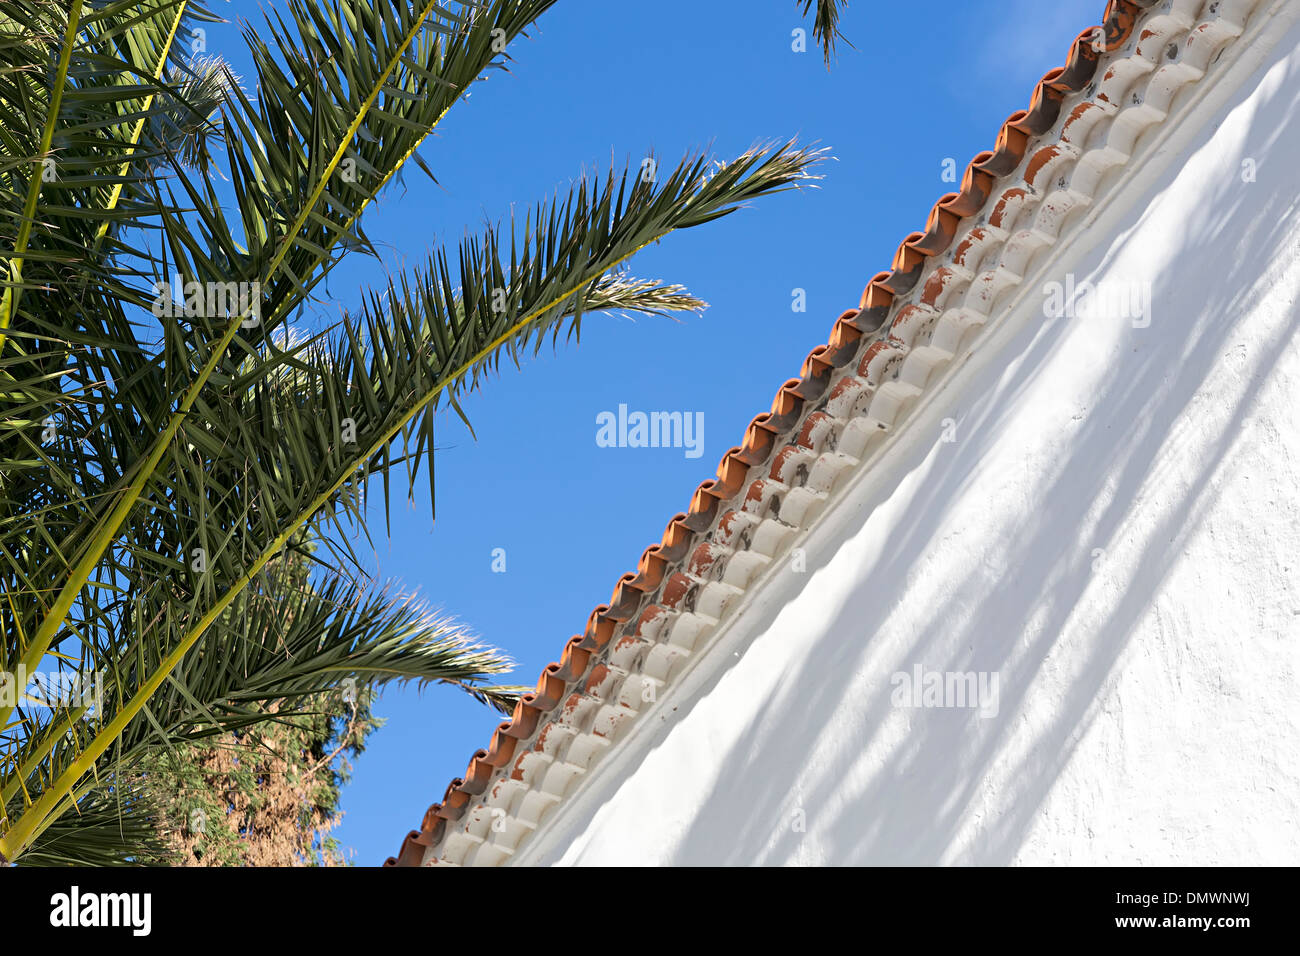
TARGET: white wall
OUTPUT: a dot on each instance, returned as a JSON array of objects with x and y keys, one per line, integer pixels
[{"x": 1149, "y": 707}]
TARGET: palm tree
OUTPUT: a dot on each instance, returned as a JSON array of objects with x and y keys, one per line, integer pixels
[{"x": 166, "y": 432}]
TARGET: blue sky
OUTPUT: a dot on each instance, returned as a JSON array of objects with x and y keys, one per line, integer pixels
[{"x": 923, "y": 82}]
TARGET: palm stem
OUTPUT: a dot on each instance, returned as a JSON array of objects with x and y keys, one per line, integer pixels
[
  {"x": 13, "y": 292},
  {"x": 116, "y": 194}
]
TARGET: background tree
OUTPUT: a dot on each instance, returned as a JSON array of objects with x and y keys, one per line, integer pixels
[{"x": 165, "y": 440}]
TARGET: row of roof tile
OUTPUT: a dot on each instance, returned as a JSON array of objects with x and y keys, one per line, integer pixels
[{"x": 660, "y": 570}]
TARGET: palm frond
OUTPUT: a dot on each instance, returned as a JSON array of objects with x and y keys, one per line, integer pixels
[
  {"x": 362, "y": 82},
  {"x": 191, "y": 107},
  {"x": 826, "y": 21},
  {"x": 114, "y": 825},
  {"x": 158, "y": 467}
]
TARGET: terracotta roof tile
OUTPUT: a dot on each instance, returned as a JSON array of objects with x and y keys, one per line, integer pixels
[{"x": 877, "y": 361}]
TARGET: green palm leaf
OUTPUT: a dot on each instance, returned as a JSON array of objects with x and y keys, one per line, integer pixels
[
  {"x": 158, "y": 468},
  {"x": 826, "y": 21}
]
